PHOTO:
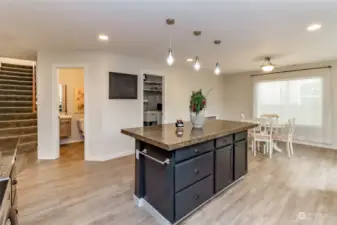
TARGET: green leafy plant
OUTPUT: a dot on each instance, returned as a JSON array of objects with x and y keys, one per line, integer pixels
[{"x": 198, "y": 101}]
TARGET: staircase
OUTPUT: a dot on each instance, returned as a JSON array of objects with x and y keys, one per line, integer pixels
[{"x": 17, "y": 119}]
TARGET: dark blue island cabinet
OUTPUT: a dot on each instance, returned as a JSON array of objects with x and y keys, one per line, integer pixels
[{"x": 173, "y": 183}]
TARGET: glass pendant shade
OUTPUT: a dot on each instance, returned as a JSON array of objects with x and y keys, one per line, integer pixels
[
  {"x": 196, "y": 64},
  {"x": 170, "y": 59},
  {"x": 217, "y": 69},
  {"x": 267, "y": 66}
]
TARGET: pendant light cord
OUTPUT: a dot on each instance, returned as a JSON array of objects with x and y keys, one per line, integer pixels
[{"x": 170, "y": 41}]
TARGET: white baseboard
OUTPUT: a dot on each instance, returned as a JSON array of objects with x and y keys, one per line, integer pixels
[
  {"x": 101, "y": 158},
  {"x": 317, "y": 145}
]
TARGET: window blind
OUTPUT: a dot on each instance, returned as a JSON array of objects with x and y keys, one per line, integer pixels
[{"x": 304, "y": 95}]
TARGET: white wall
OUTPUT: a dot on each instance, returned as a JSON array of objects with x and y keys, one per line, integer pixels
[
  {"x": 105, "y": 118},
  {"x": 72, "y": 78},
  {"x": 239, "y": 94}
]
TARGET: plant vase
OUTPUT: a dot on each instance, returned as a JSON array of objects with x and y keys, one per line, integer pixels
[
  {"x": 198, "y": 120},
  {"x": 198, "y": 103}
]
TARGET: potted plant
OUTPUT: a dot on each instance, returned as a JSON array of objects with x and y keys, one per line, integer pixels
[{"x": 198, "y": 103}]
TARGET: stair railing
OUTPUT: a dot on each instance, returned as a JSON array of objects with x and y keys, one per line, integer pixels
[{"x": 34, "y": 88}]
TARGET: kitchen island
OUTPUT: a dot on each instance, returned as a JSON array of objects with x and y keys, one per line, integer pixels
[{"x": 175, "y": 173}]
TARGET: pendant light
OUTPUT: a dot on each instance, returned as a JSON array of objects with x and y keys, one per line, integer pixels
[
  {"x": 170, "y": 59},
  {"x": 217, "y": 70},
  {"x": 267, "y": 65},
  {"x": 196, "y": 64}
]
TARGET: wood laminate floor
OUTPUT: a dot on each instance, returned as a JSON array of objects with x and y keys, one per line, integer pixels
[{"x": 277, "y": 191}]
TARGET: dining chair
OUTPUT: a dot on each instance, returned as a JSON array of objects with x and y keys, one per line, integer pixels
[
  {"x": 263, "y": 134},
  {"x": 271, "y": 116},
  {"x": 250, "y": 132},
  {"x": 242, "y": 116},
  {"x": 288, "y": 137}
]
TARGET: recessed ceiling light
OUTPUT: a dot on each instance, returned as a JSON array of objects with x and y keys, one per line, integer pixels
[
  {"x": 103, "y": 37},
  {"x": 189, "y": 60},
  {"x": 314, "y": 26}
]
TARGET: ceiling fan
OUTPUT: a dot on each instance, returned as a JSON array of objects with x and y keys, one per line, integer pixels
[{"x": 267, "y": 66}]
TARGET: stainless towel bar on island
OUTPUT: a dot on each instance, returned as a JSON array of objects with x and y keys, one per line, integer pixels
[{"x": 144, "y": 153}]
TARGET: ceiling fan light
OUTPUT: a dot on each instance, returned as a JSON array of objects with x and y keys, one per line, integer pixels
[{"x": 267, "y": 66}]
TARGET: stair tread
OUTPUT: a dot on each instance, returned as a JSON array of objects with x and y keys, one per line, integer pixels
[
  {"x": 16, "y": 85},
  {"x": 15, "y": 90},
  {"x": 15, "y": 114},
  {"x": 13, "y": 128},
  {"x": 13, "y": 76},
  {"x": 18, "y": 81},
  {"x": 19, "y": 96},
  {"x": 16, "y": 72},
  {"x": 14, "y": 121},
  {"x": 1, "y": 101},
  {"x": 13, "y": 107},
  {"x": 17, "y": 68},
  {"x": 28, "y": 143},
  {"x": 17, "y": 136},
  {"x": 16, "y": 65}
]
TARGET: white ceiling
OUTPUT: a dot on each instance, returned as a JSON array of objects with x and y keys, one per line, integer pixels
[{"x": 248, "y": 29}]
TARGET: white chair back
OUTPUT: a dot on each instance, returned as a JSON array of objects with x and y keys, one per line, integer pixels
[
  {"x": 273, "y": 117},
  {"x": 242, "y": 116},
  {"x": 265, "y": 127},
  {"x": 291, "y": 126}
]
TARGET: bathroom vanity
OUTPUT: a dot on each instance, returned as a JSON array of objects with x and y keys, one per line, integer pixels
[
  {"x": 65, "y": 126},
  {"x": 176, "y": 174}
]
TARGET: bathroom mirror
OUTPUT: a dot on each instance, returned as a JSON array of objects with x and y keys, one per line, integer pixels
[{"x": 63, "y": 98}]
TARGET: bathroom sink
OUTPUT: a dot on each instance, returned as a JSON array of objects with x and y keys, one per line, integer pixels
[{"x": 65, "y": 116}]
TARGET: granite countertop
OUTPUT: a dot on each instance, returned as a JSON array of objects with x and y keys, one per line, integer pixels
[{"x": 164, "y": 136}]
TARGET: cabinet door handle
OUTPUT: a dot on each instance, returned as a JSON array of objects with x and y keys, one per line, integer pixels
[
  {"x": 196, "y": 197},
  {"x": 196, "y": 150},
  {"x": 196, "y": 171}
]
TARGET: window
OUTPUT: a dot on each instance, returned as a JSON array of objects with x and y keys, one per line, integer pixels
[
  {"x": 301, "y": 99},
  {"x": 305, "y": 98}
]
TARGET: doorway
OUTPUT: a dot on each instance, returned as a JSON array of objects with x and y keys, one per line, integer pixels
[
  {"x": 71, "y": 113},
  {"x": 153, "y": 99}
]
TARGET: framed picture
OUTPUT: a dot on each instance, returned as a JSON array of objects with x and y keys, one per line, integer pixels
[{"x": 79, "y": 100}]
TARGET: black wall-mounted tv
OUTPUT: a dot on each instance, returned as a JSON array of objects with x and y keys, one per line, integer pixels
[{"x": 123, "y": 86}]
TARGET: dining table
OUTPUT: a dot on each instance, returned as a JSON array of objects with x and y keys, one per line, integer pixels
[{"x": 277, "y": 127}]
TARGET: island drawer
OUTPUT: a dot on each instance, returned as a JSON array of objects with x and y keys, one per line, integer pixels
[
  {"x": 190, "y": 171},
  {"x": 192, "y": 197},
  {"x": 194, "y": 150},
  {"x": 240, "y": 136},
  {"x": 223, "y": 141}
]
